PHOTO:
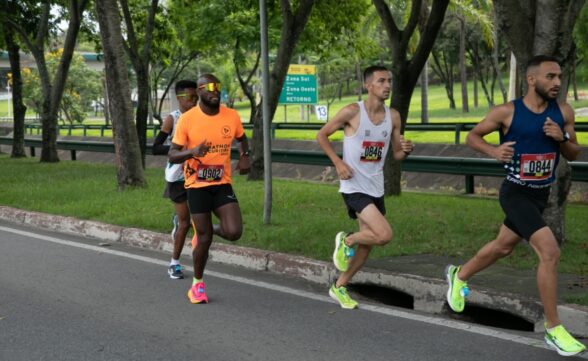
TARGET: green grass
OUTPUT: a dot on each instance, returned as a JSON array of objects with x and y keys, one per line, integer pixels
[{"x": 305, "y": 215}]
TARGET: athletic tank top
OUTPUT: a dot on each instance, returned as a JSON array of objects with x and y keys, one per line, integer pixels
[
  {"x": 536, "y": 155},
  {"x": 365, "y": 152},
  {"x": 173, "y": 172}
]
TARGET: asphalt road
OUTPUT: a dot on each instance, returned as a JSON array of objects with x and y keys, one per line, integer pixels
[{"x": 66, "y": 298}]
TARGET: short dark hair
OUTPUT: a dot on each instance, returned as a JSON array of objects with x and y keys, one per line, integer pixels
[
  {"x": 206, "y": 78},
  {"x": 185, "y": 84},
  {"x": 539, "y": 59},
  {"x": 371, "y": 70}
]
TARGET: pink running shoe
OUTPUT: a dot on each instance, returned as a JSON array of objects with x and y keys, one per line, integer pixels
[{"x": 197, "y": 293}]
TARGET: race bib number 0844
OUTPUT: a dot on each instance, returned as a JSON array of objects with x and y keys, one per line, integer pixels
[{"x": 537, "y": 166}]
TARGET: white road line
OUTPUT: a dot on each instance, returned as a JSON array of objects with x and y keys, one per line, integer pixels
[{"x": 372, "y": 308}]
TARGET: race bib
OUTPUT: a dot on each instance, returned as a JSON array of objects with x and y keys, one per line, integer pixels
[
  {"x": 372, "y": 151},
  {"x": 210, "y": 173},
  {"x": 537, "y": 166}
]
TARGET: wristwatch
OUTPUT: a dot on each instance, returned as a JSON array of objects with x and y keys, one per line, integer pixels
[{"x": 566, "y": 137}]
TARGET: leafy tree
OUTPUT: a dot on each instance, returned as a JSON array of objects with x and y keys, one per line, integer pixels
[
  {"x": 445, "y": 56},
  {"x": 46, "y": 23},
  {"x": 295, "y": 20},
  {"x": 232, "y": 27},
  {"x": 170, "y": 56},
  {"x": 81, "y": 88},
  {"x": 406, "y": 70}
]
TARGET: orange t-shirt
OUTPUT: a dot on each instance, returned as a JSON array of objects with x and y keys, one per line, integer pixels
[{"x": 195, "y": 127}]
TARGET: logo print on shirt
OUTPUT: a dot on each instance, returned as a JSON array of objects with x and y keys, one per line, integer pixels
[
  {"x": 226, "y": 131},
  {"x": 384, "y": 133},
  {"x": 367, "y": 132}
]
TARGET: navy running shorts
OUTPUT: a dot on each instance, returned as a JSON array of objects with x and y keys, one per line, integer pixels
[
  {"x": 523, "y": 207},
  {"x": 356, "y": 202},
  {"x": 207, "y": 199},
  {"x": 175, "y": 191}
]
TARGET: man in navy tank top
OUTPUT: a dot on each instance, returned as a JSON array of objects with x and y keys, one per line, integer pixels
[
  {"x": 534, "y": 131},
  {"x": 368, "y": 128}
]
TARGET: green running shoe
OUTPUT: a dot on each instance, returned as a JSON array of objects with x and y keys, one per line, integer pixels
[
  {"x": 458, "y": 289},
  {"x": 564, "y": 343},
  {"x": 342, "y": 252},
  {"x": 340, "y": 295}
]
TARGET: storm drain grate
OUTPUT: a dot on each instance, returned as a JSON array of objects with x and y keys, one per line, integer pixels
[
  {"x": 385, "y": 295},
  {"x": 493, "y": 318}
]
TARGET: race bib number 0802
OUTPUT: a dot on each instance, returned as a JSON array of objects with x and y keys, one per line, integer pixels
[{"x": 537, "y": 166}]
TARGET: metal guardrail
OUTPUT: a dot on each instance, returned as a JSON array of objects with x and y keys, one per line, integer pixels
[
  {"x": 32, "y": 127},
  {"x": 457, "y": 128},
  {"x": 11, "y": 119},
  {"x": 468, "y": 167}
]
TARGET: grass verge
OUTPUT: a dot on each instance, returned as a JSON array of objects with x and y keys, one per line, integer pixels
[{"x": 305, "y": 215}]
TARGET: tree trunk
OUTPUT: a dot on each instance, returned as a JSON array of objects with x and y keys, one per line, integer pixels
[
  {"x": 140, "y": 58},
  {"x": 142, "y": 111},
  {"x": 475, "y": 80},
  {"x": 573, "y": 78},
  {"x": 462, "y": 67},
  {"x": 555, "y": 213},
  {"x": 245, "y": 82},
  {"x": 18, "y": 149},
  {"x": 444, "y": 71},
  {"x": 425, "y": 95},
  {"x": 106, "y": 109},
  {"x": 512, "y": 78},
  {"x": 358, "y": 76},
  {"x": 126, "y": 142}
]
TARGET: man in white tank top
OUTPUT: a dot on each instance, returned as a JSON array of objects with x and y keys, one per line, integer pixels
[
  {"x": 174, "y": 175},
  {"x": 368, "y": 127}
]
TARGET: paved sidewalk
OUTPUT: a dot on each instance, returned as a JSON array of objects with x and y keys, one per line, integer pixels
[
  {"x": 421, "y": 276},
  {"x": 582, "y": 112}
]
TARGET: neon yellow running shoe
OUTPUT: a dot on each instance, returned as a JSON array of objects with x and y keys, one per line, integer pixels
[
  {"x": 564, "y": 343},
  {"x": 340, "y": 295},
  {"x": 343, "y": 252},
  {"x": 458, "y": 289}
]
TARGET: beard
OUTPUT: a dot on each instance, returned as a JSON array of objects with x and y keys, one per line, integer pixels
[
  {"x": 210, "y": 103},
  {"x": 544, "y": 94}
]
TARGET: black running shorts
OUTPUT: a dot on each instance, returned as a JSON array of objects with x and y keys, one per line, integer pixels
[
  {"x": 356, "y": 202},
  {"x": 207, "y": 199},
  {"x": 523, "y": 207},
  {"x": 175, "y": 191}
]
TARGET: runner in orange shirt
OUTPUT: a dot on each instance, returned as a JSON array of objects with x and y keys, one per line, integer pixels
[{"x": 203, "y": 141}]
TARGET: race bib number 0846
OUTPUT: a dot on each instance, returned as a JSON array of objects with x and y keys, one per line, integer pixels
[{"x": 372, "y": 151}]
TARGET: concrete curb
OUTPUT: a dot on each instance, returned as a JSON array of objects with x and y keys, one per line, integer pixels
[{"x": 428, "y": 293}]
